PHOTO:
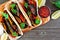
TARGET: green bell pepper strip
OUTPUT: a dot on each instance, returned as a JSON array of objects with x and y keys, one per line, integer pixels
[{"x": 57, "y": 3}]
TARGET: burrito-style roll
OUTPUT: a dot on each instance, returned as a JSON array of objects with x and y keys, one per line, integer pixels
[
  {"x": 13, "y": 9},
  {"x": 10, "y": 26},
  {"x": 30, "y": 8}
]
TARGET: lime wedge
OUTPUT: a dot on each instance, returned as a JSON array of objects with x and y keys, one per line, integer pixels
[
  {"x": 56, "y": 15},
  {"x": 41, "y": 3},
  {"x": 4, "y": 36}
]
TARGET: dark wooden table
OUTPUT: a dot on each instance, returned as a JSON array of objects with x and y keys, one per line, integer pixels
[{"x": 49, "y": 31}]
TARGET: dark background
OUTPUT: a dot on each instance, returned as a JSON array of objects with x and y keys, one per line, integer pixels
[{"x": 49, "y": 31}]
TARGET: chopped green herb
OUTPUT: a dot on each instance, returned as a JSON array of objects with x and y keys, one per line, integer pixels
[
  {"x": 14, "y": 11},
  {"x": 14, "y": 34},
  {"x": 28, "y": 13},
  {"x": 37, "y": 21},
  {"x": 22, "y": 25},
  {"x": 5, "y": 15},
  {"x": 26, "y": 5},
  {"x": 13, "y": 5}
]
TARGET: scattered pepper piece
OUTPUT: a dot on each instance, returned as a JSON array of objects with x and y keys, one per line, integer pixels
[{"x": 28, "y": 13}]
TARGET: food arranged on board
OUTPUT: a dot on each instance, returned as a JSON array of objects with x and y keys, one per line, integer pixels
[{"x": 19, "y": 16}]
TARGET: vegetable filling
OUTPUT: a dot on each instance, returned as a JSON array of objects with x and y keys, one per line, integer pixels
[
  {"x": 14, "y": 9},
  {"x": 8, "y": 24},
  {"x": 30, "y": 8}
]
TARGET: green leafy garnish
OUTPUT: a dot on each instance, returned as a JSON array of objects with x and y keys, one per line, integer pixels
[
  {"x": 22, "y": 25},
  {"x": 28, "y": 13},
  {"x": 13, "y": 5},
  {"x": 26, "y": 5},
  {"x": 14, "y": 34},
  {"x": 14, "y": 11},
  {"x": 5, "y": 15},
  {"x": 37, "y": 21},
  {"x": 56, "y": 3}
]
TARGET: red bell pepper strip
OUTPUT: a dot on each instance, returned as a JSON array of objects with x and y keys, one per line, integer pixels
[{"x": 22, "y": 18}]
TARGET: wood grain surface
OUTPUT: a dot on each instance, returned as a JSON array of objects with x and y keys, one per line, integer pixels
[{"x": 49, "y": 31}]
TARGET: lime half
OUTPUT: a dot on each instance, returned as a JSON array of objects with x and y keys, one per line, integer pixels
[
  {"x": 41, "y": 3},
  {"x": 4, "y": 36},
  {"x": 56, "y": 15}
]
